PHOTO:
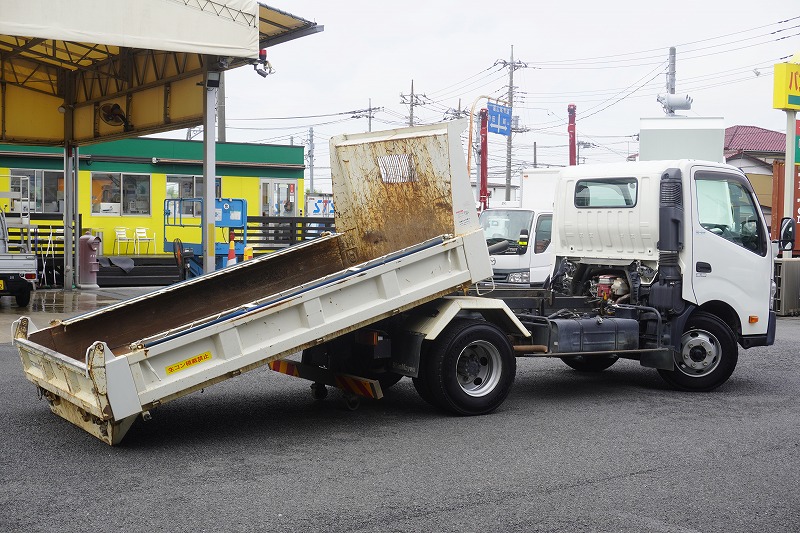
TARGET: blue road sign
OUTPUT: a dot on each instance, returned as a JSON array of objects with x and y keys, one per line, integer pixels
[{"x": 499, "y": 119}]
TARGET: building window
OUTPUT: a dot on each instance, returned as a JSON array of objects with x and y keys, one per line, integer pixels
[
  {"x": 183, "y": 187},
  {"x": 120, "y": 194},
  {"x": 41, "y": 191}
]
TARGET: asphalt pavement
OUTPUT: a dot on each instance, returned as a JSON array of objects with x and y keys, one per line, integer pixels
[{"x": 616, "y": 451}]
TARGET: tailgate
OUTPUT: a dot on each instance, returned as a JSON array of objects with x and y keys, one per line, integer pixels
[{"x": 78, "y": 390}]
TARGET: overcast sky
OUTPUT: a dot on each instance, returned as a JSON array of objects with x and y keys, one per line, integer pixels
[{"x": 607, "y": 58}]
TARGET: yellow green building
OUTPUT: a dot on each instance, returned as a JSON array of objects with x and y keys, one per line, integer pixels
[{"x": 124, "y": 184}]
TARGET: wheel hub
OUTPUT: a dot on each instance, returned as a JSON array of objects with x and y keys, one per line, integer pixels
[
  {"x": 700, "y": 353},
  {"x": 478, "y": 368}
]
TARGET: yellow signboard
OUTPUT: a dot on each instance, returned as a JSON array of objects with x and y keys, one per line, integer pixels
[{"x": 786, "y": 90}]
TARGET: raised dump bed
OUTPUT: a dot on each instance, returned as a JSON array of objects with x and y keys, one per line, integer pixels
[{"x": 408, "y": 235}]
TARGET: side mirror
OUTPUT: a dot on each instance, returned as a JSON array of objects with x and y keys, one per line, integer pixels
[
  {"x": 787, "y": 235},
  {"x": 522, "y": 244}
]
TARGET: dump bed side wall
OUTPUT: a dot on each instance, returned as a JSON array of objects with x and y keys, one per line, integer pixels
[{"x": 184, "y": 303}]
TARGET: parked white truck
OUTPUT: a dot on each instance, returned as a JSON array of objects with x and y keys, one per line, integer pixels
[
  {"x": 518, "y": 233},
  {"x": 18, "y": 267},
  {"x": 664, "y": 262}
]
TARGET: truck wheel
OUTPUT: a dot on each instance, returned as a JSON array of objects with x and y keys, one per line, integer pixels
[
  {"x": 469, "y": 368},
  {"x": 708, "y": 355},
  {"x": 590, "y": 363},
  {"x": 23, "y": 298}
]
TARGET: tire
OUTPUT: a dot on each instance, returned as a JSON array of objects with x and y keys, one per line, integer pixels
[
  {"x": 708, "y": 355},
  {"x": 590, "y": 363},
  {"x": 422, "y": 389},
  {"x": 469, "y": 368},
  {"x": 23, "y": 298}
]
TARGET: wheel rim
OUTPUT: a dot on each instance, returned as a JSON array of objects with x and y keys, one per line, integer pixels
[
  {"x": 700, "y": 353},
  {"x": 478, "y": 368}
]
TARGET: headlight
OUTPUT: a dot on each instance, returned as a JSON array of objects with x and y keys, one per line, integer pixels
[{"x": 519, "y": 277}]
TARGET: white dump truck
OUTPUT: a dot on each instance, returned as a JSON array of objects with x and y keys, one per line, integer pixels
[
  {"x": 360, "y": 304},
  {"x": 664, "y": 262}
]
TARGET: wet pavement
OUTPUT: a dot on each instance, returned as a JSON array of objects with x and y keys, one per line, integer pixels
[{"x": 57, "y": 304}]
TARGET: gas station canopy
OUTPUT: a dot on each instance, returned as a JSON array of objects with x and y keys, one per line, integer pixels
[{"x": 83, "y": 72}]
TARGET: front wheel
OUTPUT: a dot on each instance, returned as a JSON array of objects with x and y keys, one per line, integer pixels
[
  {"x": 708, "y": 355},
  {"x": 469, "y": 368}
]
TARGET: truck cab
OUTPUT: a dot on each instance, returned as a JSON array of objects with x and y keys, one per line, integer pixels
[
  {"x": 685, "y": 245},
  {"x": 527, "y": 258},
  {"x": 525, "y": 226}
]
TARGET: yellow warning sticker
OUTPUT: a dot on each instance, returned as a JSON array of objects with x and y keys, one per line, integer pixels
[{"x": 186, "y": 363}]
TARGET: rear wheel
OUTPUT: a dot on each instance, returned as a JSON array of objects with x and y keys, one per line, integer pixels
[
  {"x": 468, "y": 369},
  {"x": 590, "y": 363},
  {"x": 708, "y": 355},
  {"x": 23, "y": 298}
]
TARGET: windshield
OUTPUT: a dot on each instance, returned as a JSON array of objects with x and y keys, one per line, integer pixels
[{"x": 505, "y": 224}]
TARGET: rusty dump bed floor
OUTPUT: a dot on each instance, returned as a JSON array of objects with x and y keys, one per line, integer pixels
[{"x": 196, "y": 299}]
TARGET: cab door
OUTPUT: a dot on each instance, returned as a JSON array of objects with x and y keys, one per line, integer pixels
[
  {"x": 539, "y": 249},
  {"x": 729, "y": 260}
]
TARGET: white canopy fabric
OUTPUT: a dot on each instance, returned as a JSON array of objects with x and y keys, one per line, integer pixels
[{"x": 227, "y": 28}]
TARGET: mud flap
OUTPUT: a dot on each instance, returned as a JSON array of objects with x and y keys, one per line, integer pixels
[{"x": 661, "y": 359}]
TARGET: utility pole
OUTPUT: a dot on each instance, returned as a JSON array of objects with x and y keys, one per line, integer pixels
[
  {"x": 578, "y": 146},
  {"x": 573, "y": 149},
  {"x": 452, "y": 114},
  {"x": 413, "y": 100},
  {"x": 360, "y": 113},
  {"x": 311, "y": 159},
  {"x": 512, "y": 66}
]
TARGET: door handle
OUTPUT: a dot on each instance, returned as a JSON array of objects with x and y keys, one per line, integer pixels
[{"x": 703, "y": 267}]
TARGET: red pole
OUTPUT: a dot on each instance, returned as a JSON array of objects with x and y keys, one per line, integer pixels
[
  {"x": 573, "y": 159},
  {"x": 484, "y": 173}
]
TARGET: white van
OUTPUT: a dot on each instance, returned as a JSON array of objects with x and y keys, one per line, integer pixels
[{"x": 525, "y": 226}]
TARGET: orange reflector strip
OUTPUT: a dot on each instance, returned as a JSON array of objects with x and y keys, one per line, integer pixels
[
  {"x": 285, "y": 367},
  {"x": 356, "y": 386},
  {"x": 753, "y": 319}
]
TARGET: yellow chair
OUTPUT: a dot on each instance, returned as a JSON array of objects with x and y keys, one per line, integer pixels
[
  {"x": 120, "y": 236},
  {"x": 140, "y": 236}
]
